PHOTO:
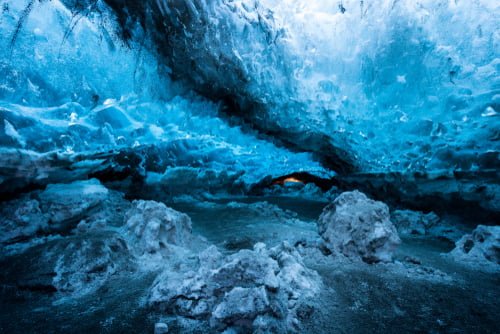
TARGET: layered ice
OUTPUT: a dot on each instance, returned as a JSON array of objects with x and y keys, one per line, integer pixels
[
  {"x": 289, "y": 70},
  {"x": 77, "y": 88},
  {"x": 315, "y": 75}
]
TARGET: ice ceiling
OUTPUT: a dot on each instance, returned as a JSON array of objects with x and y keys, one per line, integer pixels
[{"x": 249, "y": 88}]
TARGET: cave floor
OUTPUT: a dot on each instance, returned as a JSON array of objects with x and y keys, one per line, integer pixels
[{"x": 422, "y": 292}]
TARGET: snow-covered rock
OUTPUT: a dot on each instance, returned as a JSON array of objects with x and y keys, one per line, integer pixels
[
  {"x": 264, "y": 210},
  {"x": 249, "y": 289},
  {"x": 413, "y": 222},
  {"x": 482, "y": 246},
  {"x": 152, "y": 227},
  {"x": 301, "y": 190},
  {"x": 359, "y": 227}
]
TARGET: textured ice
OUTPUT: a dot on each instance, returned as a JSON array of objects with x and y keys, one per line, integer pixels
[
  {"x": 79, "y": 86},
  {"x": 359, "y": 227},
  {"x": 260, "y": 288},
  {"x": 480, "y": 248},
  {"x": 290, "y": 67},
  {"x": 317, "y": 76}
]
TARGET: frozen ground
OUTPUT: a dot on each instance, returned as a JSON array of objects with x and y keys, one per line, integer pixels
[{"x": 97, "y": 276}]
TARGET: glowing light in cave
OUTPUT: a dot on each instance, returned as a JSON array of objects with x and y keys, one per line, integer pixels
[{"x": 292, "y": 179}]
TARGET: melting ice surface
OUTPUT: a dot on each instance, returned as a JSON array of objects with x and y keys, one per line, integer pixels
[{"x": 249, "y": 117}]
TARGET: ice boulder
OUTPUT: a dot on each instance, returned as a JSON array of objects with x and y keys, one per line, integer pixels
[
  {"x": 153, "y": 226},
  {"x": 67, "y": 204},
  {"x": 359, "y": 227},
  {"x": 260, "y": 289},
  {"x": 413, "y": 222},
  {"x": 479, "y": 247}
]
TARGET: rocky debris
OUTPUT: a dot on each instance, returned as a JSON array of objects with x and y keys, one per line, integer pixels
[
  {"x": 466, "y": 192},
  {"x": 259, "y": 289},
  {"x": 153, "y": 227},
  {"x": 85, "y": 265},
  {"x": 21, "y": 219},
  {"x": 67, "y": 204},
  {"x": 410, "y": 222},
  {"x": 482, "y": 246},
  {"x": 416, "y": 223},
  {"x": 359, "y": 227}
]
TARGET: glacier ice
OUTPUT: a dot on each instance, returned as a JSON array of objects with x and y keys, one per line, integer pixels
[
  {"x": 122, "y": 98},
  {"x": 163, "y": 165},
  {"x": 302, "y": 79}
]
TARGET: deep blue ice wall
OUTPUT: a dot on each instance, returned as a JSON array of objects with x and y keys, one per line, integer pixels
[
  {"x": 70, "y": 84},
  {"x": 372, "y": 86},
  {"x": 379, "y": 85}
]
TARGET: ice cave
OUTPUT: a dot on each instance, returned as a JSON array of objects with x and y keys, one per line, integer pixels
[{"x": 249, "y": 166}]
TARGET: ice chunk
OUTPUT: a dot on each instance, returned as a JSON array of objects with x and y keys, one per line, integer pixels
[
  {"x": 21, "y": 219},
  {"x": 83, "y": 266},
  {"x": 359, "y": 227},
  {"x": 251, "y": 288},
  {"x": 482, "y": 246},
  {"x": 153, "y": 226},
  {"x": 161, "y": 328},
  {"x": 413, "y": 222}
]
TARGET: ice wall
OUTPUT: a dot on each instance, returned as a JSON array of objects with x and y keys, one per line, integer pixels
[
  {"x": 70, "y": 85},
  {"x": 410, "y": 85},
  {"x": 366, "y": 85},
  {"x": 361, "y": 85}
]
